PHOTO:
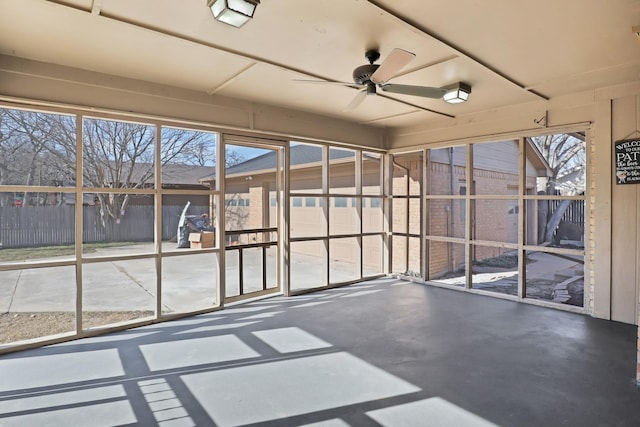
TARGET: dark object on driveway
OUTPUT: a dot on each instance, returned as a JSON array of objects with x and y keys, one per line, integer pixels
[{"x": 191, "y": 224}]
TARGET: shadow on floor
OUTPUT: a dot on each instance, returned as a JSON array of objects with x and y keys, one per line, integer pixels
[{"x": 383, "y": 352}]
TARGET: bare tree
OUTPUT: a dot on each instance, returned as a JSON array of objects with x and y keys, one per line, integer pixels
[
  {"x": 40, "y": 149},
  {"x": 10, "y": 147},
  {"x": 121, "y": 155},
  {"x": 565, "y": 155},
  {"x": 232, "y": 158},
  {"x": 25, "y": 138}
]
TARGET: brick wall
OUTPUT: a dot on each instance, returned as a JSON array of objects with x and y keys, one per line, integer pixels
[
  {"x": 406, "y": 212},
  {"x": 491, "y": 216},
  {"x": 257, "y": 200},
  {"x": 447, "y": 217}
]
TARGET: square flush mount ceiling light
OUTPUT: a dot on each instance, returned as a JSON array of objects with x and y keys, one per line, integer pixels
[
  {"x": 457, "y": 93},
  {"x": 233, "y": 12}
]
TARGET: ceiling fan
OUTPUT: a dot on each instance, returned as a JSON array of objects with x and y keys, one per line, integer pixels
[{"x": 371, "y": 77}]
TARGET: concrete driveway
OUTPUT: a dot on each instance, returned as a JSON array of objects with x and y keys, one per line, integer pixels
[{"x": 189, "y": 281}]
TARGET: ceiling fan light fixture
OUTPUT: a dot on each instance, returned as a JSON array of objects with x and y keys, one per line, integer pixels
[
  {"x": 233, "y": 12},
  {"x": 457, "y": 93}
]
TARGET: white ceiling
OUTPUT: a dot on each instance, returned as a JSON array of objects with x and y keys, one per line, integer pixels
[{"x": 510, "y": 52}]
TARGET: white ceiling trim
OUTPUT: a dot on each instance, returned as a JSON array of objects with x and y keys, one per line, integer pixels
[
  {"x": 231, "y": 79},
  {"x": 425, "y": 66},
  {"x": 96, "y": 7},
  {"x": 190, "y": 39},
  {"x": 381, "y": 119},
  {"x": 416, "y": 27},
  {"x": 499, "y": 136},
  {"x": 256, "y": 59},
  {"x": 415, "y": 106},
  {"x": 568, "y": 78}
]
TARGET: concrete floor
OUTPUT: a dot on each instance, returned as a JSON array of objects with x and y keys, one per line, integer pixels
[{"x": 379, "y": 353}]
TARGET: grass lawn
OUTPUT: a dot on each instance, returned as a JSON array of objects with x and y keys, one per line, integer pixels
[{"x": 20, "y": 254}]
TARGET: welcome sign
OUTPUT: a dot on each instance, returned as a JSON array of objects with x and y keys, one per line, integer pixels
[{"x": 627, "y": 155}]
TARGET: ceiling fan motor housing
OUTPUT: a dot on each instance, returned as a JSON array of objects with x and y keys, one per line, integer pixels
[{"x": 362, "y": 74}]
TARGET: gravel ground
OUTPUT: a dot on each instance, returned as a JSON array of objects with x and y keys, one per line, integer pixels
[{"x": 24, "y": 326}]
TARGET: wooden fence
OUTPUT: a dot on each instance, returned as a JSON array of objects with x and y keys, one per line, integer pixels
[
  {"x": 572, "y": 221},
  {"x": 574, "y": 213},
  {"x": 51, "y": 226}
]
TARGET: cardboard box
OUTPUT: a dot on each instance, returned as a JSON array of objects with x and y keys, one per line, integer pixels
[{"x": 204, "y": 239}]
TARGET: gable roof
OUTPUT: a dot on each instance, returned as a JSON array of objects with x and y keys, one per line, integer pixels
[
  {"x": 172, "y": 174},
  {"x": 300, "y": 154},
  {"x": 180, "y": 174}
]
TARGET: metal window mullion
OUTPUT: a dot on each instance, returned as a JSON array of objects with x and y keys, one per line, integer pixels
[
  {"x": 358, "y": 182},
  {"x": 468, "y": 226},
  {"x": 587, "y": 232},
  {"x": 265, "y": 222},
  {"x": 240, "y": 272},
  {"x": 325, "y": 209},
  {"x": 387, "y": 212},
  {"x": 522, "y": 185},
  {"x": 220, "y": 219},
  {"x": 264, "y": 268},
  {"x": 282, "y": 205},
  {"x": 424, "y": 266},
  {"x": 157, "y": 220},
  {"x": 407, "y": 219},
  {"x": 79, "y": 213},
  {"x": 381, "y": 181}
]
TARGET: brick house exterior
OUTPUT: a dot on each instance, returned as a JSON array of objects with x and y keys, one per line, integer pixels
[{"x": 251, "y": 193}]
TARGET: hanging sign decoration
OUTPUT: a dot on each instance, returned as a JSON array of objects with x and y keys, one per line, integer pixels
[{"x": 627, "y": 156}]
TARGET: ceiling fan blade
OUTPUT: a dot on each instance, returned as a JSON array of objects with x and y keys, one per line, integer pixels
[
  {"x": 354, "y": 85},
  {"x": 423, "y": 91},
  {"x": 393, "y": 63},
  {"x": 356, "y": 101}
]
